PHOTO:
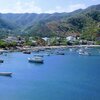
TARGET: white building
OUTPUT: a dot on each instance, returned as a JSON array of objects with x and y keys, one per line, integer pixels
[
  {"x": 47, "y": 40},
  {"x": 11, "y": 39},
  {"x": 71, "y": 38}
]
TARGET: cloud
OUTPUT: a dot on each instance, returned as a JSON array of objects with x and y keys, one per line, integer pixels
[
  {"x": 69, "y": 8},
  {"x": 75, "y": 7},
  {"x": 23, "y": 7},
  {"x": 94, "y": 0},
  {"x": 57, "y": 9},
  {"x": 29, "y": 7},
  {"x": 32, "y": 7}
]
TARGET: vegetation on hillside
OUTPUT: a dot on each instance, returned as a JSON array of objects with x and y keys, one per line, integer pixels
[{"x": 85, "y": 23}]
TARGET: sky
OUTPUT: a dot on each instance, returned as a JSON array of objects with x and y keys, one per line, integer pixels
[{"x": 44, "y": 6}]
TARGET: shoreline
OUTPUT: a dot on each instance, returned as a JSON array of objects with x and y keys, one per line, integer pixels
[
  {"x": 84, "y": 46},
  {"x": 57, "y": 47},
  {"x": 49, "y": 47}
]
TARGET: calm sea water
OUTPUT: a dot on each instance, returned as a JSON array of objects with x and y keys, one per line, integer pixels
[{"x": 66, "y": 77}]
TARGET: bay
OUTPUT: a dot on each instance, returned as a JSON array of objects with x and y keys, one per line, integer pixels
[{"x": 61, "y": 77}]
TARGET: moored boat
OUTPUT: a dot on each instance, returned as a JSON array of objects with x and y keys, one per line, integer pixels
[
  {"x": 1, "y": 61},
  {"x": 1, "y": 53},
  {"x": 26, "y": 52},
  {"x": 36, "y": 59},
  {"x": 60, "y": 53},
  {"x": 84, "y": 53},
  {"x": 39, "y": 55},
  {"x": 5, "y": 73}
]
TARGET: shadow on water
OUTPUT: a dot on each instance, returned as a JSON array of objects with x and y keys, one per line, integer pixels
[
  {"x": 37, "y": 64},
  {"x": 6, "y": 76}
]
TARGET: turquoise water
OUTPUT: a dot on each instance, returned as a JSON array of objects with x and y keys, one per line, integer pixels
[{"x": 61, "y": 77}]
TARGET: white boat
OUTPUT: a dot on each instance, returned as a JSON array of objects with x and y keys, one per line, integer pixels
[
  {"x": 36, "y": 59},
  {"x": 84, "y": 53},
  {"x": 81, "y": 50},
  {"x": 5, "y": 73},
  {"x": 48, "y": 54},
  {"x": 38, "y": 55},
  {"x": 70, "y": 49}
]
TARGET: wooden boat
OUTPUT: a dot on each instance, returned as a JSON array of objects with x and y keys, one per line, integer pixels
[
  {"x": 36, "y": 59},
  {"x": 5, "y": 73}
]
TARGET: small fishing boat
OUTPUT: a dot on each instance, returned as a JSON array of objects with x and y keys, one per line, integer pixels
[
  {"x": 81, "y": 50},
  {"x": 1, "y": 61},
  {"x": 26, "y": 52},
  {"x": 36, "y": 59},
  {"x": 70, "y": 49},
  {"x": 84, "y": 53},
  {"x": 48, "y": 54},
  {"x": 38, "y": 55},
  {"x": 1, "y": 53},
  {"x": 5, "y": 73},
  {"x": 60, "y": 53}
]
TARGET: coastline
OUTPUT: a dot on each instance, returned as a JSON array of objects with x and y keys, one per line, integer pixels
[
  {"x": 74, "y": 46},
  {"x": 49, "y": 47},
  {"x": 58, "y": 47},
  {"x": 55, "y": 47}
]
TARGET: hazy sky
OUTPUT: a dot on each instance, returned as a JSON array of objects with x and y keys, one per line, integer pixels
[{"x": 43, "y": 6}]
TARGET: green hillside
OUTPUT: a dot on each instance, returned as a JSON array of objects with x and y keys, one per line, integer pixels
[{"x": 83, "y": 22}]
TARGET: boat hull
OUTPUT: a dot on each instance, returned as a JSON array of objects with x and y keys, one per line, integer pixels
[
  {"x": 1, "y": 61},
  {"x": 34, "y": 61},
  {"x": 5, "y": 74}
]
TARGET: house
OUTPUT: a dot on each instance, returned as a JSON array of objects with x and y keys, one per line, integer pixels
[
  {"x": 71, "y": 38},
  {"x": 11, "y": 39},
  {"x": 34, "y": 43},
  {"x": 47, "y": 40},
  {"x": 83, "y": 42}
]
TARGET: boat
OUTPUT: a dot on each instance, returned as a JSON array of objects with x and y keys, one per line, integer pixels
[
  {"x": 84, "y": 53},
  {"x": 1, "y": 61},
  {"x": 81, "y": 50},
  {"x": 39, "y": 55},
  {"x": 60, "y": 53},
  {"x": 48, "y": 54},
  {"x": 1, "y": 53},
  {"x": 70, "y": 49},
  {"x": 5, "y": 73},
  {"x": 36, "y": 59},
  {"x": 26, "y": 52}
]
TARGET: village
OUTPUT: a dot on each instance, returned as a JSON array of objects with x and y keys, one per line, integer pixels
[{"x": 18, "y": 43}]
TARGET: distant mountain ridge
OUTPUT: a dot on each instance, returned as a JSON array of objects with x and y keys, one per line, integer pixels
[{"x": 59, "y": 24}]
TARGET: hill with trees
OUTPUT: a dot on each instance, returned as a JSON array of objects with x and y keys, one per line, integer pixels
[{"x": 83, "y": 22}]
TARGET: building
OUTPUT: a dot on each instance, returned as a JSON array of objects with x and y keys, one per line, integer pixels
[
  {"x": 47, "y": 40},
  {"x": 71, "y": 38},
  {"x": 11, "y": 39}
]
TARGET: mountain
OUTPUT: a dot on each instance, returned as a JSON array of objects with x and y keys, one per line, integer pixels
[{"x": 84, "y": 22}]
